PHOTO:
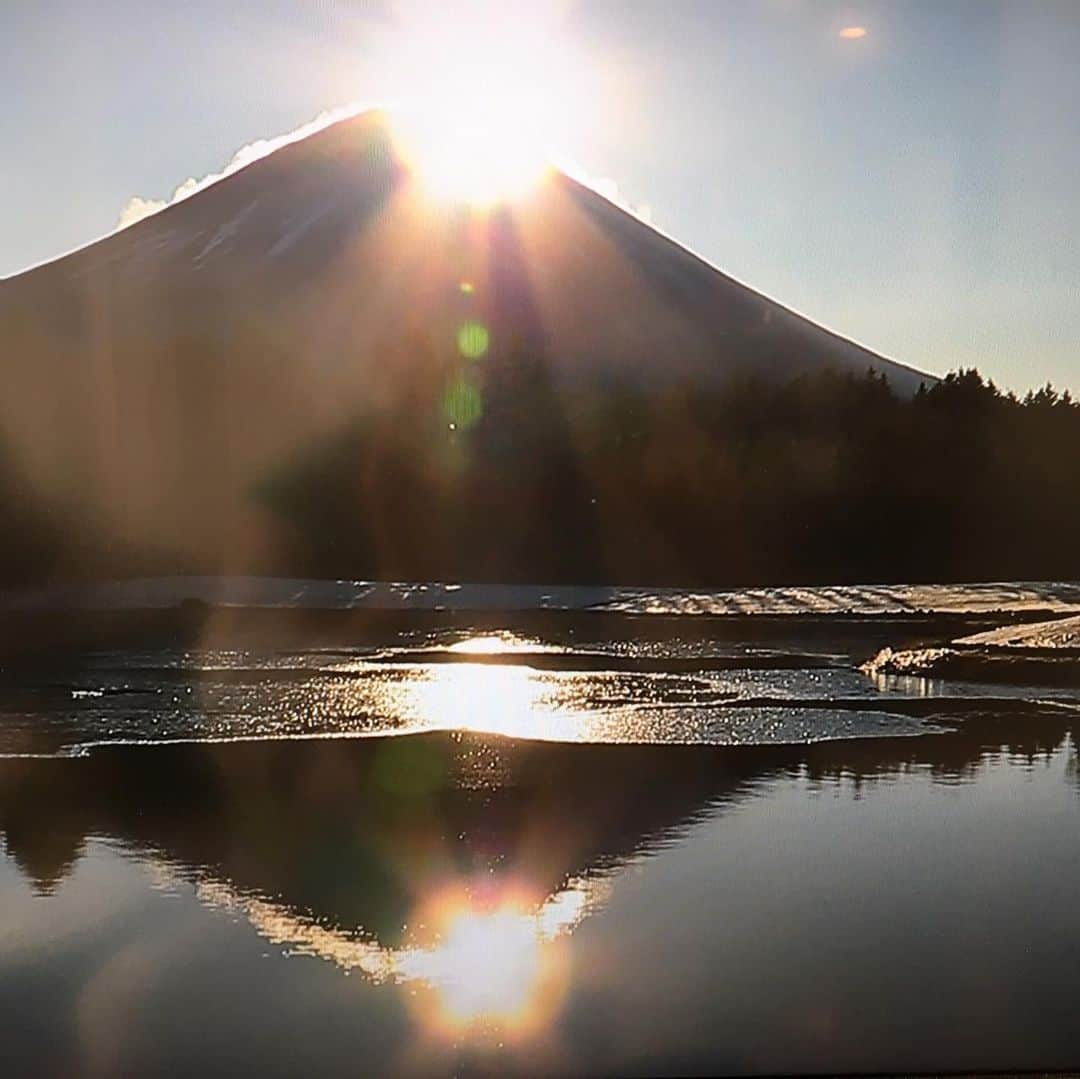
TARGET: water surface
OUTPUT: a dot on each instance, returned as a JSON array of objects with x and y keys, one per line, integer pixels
[{"x": 487, "y": 849}]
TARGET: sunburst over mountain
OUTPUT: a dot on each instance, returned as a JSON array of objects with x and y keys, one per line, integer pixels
[{"x": 160, "y": 376}]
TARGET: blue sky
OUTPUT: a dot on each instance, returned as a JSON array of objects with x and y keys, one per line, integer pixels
[{"x": 916, "y": 188}]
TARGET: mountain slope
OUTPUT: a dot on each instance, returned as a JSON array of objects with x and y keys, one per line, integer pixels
[
  {"x": 159, "y": 379},
  {"x": 307, "y": 221}
]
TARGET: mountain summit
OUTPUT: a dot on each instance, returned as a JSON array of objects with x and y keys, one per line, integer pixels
[
  {"x": 336, "y": 220},
  {"x": 162, "y": 380}
]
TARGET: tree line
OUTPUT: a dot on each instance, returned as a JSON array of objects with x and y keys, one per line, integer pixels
[
  {"x": 828, "y": 477},
  {"x": 497, "y": 470}
]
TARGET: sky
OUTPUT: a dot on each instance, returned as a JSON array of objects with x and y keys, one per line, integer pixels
[{"x": 913, "y": 186}]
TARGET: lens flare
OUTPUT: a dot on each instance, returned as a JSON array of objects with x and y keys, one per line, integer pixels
[
  {"x": 472, "y": 340},
  {"x": 462, "y": 404}
]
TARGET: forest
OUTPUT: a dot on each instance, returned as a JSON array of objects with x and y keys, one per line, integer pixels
[
  {"x": 495, "y": 473},
  {"x": 824, "y": 478}
]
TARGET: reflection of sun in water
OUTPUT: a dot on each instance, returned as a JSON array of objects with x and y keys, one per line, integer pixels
[
  {"x": 507, "y": 698},
  {"x": 482, "y": 697},
  {"x": 496, "y": 644},
  {"x": 494, "y": 961},
  {"x": 486, "y": 965},
  {"x": 491, "y": 92},
  {"x": 490, "y": 957}
]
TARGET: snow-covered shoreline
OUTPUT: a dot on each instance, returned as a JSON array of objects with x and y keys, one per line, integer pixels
[
  {"x": 987, "y": 598},
  {"x": 1046, "y": 651}
]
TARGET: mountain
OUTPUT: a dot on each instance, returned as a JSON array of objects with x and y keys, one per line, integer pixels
[{"x": 177, "y": 390}]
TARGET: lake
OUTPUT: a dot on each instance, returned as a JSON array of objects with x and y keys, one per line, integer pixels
[{"x": 617, "y": 838}]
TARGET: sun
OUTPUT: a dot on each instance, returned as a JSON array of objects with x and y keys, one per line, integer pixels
[
  {"x": 474, "y": 149},
  {"x": 489, "y": 98}
]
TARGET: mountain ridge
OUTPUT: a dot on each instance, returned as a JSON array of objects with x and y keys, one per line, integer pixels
[
  {"x": 310, "y": 366},
  {"x": 906, "y": 378}
]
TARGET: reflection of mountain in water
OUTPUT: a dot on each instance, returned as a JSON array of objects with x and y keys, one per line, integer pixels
[
  {"x": 358, "y": 829},
  {"x": 357, "y": 834}
]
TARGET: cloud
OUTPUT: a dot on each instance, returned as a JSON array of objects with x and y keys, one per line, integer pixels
[{"x": 138, "y": 207}]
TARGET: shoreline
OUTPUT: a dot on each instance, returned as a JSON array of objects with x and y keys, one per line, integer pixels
[{"x": 25, "y": 635}]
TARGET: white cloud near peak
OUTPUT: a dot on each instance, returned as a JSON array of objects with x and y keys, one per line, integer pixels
[{"x": 138, "y": 207}]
